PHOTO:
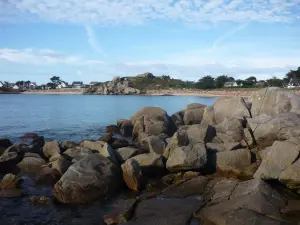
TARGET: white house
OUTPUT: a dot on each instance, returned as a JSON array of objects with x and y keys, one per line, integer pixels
[
  {"x": 231, "y": 84},
  {"x": 77, "y": 84},
  {"x": 15, "y": 87},
  {"x": 32, "y": 85},
  {"x": 294, "y": 83},
  {"x": 62, "y": 85}
]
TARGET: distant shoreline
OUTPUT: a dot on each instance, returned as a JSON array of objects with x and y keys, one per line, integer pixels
[{"x": 178, "y": 92}]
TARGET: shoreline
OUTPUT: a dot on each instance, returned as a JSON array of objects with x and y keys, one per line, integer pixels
[{"x": 201, "y": 93}]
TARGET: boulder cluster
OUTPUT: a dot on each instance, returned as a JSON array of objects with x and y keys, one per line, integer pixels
[
  {"x": 118, "y": 86},
  {"x": 224, "y": 164}
]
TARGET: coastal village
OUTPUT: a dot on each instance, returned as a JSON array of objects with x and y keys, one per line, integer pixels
[{"x": 291, "y": 80}]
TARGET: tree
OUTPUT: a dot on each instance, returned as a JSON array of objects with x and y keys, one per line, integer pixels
[
  {"x": 251, "y": 80},
  {"x": 275, "y": 82},
  {"x": 206, "y": 82},
  {"x": 239, "y": 82},
  {"x": 221, "y": 80},
  {"x": 292, "y": 74},
  {"x": 51, "y": 85},
  {"x": 55, "y": 80},
  {"x": 20, "y": 83}
]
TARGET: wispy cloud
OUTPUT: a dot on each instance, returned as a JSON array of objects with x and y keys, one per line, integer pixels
[
  {"x": 136, "y": 12},
  {"x": 228, "y": 35},
  {"x": 42, "y": 57},
  {"x": 93, "y": 40}
]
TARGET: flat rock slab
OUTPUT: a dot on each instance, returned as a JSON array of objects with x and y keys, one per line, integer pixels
[
  {"x": 122, "y": 212},
  {"x": 195, "y": 186},
  {"x": 159, "y": 211}
]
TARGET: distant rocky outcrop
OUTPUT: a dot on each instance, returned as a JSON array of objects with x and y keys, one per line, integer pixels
[{"x": 118, "y": 86}]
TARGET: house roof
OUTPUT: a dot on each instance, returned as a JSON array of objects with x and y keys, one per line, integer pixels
[
  {"x": 229, "y": 83},
  {"x": 77, "y": 82}
]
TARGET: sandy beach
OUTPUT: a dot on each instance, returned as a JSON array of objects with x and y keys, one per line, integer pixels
[{"x": 55, "y": 92}]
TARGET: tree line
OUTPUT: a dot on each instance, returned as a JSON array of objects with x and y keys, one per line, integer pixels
[{"x": 208, "y": 82}]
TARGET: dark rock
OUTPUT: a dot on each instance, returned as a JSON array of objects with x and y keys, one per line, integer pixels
[
  {"x": 192, "y": 156},
  {"x": 91, "y": 178},
  {"x": 121, "y": 213},
  {"x": 195, "y": 186},
  {"x": 11, "y": 193},
  {"x": 67, "y": 145},
  {"x": 156, "y": 144},
  {"x": 126, "y": 128},
  {"x": 40, "y": 199},
  {"x": 119, "y": 143},
  {"x": 112, "y": 129},
  {"x": 4, "y": 144},
  {"x": 292, "y": 208},
  {"x": 108, "y": 138},
  {"x": 165, "y": 211},
  {"x": 200, "y": 133},
  {"x": 127, "y": 152},
  {"x": 47, "y": 177},
  {"x": 132, "y": 175},
  {"x": 193, "y": 114},
  {"x": 9, "y": 161},
  {"x": 31, "y": 164},
  {"x": 151, "y": 164},
  {"x": 177, "y": 118},
  {"x": 10, "y": 181}
]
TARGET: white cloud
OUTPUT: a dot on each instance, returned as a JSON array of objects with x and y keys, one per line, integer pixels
[
  {"x": 136, "y": 12},
  {"x": 93, "y": 40},
  {"x": 41, "y": 57}
]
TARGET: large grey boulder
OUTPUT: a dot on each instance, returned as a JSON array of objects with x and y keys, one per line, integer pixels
[
  {"x": 177, "y": 118},
  {"x": 126, "y": 127},
  {"x": 208, "y": 116},
  {"x": 91, "y": 178},
  {"x": 77, "y": 153},
  {"x": 93, "y": 145},
  {"x": 151, "y": 121},
  {"x": 272, "y": 101},
  {"x": 9, "y": 161},
  {"x": 250, "y": 202},
  {"x": 267, "y": 129},
  {"x": 233, "y": 160},
  {"x": 4, "y": 144},
  {"x": 31, "y": 164},
  {"x": 280, "y": 156},
  {"x": 126, "y": 152},
  {"x": 232, "y": 128},
  {"x": 156, "y": 144},
  {"x": 150, "y": 164},
  {"x": 291, "y": 176},
  {"x": 51, "y": 148},
  {"x": 234, "y": 107},
  {"x": 200, "y": 133},
  {"x": 193, "y": 114},
  {"x": 158, "y": 211},
  {"x": 192, "y": 156},
  {"x": 109, "y": 153}
]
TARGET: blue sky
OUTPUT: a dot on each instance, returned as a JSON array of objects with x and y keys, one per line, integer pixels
[{"x": 95, "y": 40}]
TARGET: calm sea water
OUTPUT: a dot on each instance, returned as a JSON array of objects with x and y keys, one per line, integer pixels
[
  {"x": 77, "y": 117},
  {"x": 71, "y": 117}
]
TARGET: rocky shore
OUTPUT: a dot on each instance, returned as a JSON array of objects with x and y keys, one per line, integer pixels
[{"x": 233, "y": 163}]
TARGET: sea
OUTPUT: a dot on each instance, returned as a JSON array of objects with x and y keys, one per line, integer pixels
[{"x": 73, "y": 118}]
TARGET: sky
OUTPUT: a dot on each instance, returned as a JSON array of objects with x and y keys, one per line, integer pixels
[{"x": 96, "y": 40}]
